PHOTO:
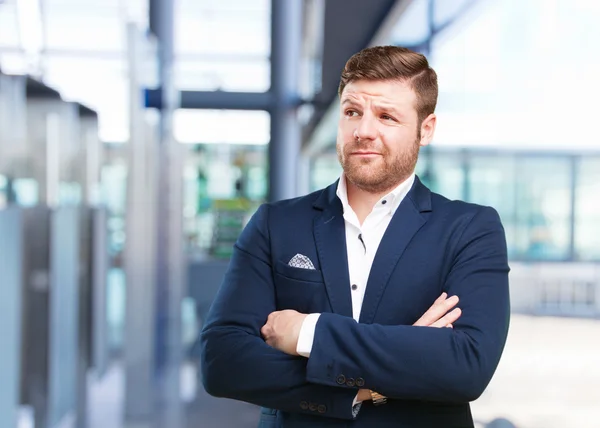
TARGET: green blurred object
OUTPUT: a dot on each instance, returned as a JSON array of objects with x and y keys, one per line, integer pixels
[
  {"x": 230, "y": 215},
  {"x": 204, "y": 202}
]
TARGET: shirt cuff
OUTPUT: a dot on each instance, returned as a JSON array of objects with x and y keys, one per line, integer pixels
[{"x": 307, "y": 335}]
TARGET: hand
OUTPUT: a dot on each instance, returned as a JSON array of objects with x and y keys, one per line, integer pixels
[
  {"x": 283, "y": 329},
  {"x": 438, "y": 316},
  {"x": 363, "y": 395}
]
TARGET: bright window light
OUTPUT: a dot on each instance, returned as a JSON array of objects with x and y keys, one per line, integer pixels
[
  {"x": 222, "y": 126},
  {"x": 30, "y": 26}
]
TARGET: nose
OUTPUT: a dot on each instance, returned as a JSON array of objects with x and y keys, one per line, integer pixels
[{"x": 367, "y": 128}]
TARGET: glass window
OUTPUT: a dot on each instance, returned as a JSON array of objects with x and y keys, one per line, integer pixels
[
  {"x": 491, "y": 182},
  {"x": 3, "y": 192},
  {"x": 445, "y": 173},
  {"x": 447, "y": 11},
  {"x": 223, "y": 73},
  {"x": 26, "y": 192},
  {"x": 421, "y": 167},
  {"x": 543, "y": 208},
  {"x": 222, "y": 126},
  {"x": 587, "y": 210},
  {"x": 98, "y": 28},
  {"x": 325, "y": 169},
  {"x": 71, "y": 76},
  {"x": 223, "y": 45},
  {"x": 413, "y": 26}
]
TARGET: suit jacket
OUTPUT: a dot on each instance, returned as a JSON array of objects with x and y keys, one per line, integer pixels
[{"x": 430, "y": 375}]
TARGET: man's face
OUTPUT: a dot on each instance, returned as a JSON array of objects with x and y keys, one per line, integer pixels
[{"x": 379, "y": 136}]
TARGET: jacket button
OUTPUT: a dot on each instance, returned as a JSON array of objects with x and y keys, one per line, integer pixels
[
  {"x": 312, "y": 407},
  {"x": 322, "y": 408},
  {"x": 304, "y": 405},
  {"x": 360, "y": 382},
  {"x": 341, "y": 379},
  {"x": 350, "y": 382}
]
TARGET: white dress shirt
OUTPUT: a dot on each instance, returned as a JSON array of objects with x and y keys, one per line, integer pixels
[{"x": 362, "y": 242}]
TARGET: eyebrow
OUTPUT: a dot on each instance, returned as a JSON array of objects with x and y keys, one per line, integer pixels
[
  {"x": 386, "y": 107},
  {"x": 389, "y": 107}
]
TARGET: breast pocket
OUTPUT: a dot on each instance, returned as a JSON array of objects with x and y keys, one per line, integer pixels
[{"x": 300, "y": 289}]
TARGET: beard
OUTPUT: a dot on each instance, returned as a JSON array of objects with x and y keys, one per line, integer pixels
[{"x": 381, "y": 174}]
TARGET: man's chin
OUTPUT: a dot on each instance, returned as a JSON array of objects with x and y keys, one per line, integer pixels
[{"x": 364, "y": 182}]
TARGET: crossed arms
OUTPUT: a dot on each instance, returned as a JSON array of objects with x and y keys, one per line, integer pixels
[{"x": 402, "y": 362}]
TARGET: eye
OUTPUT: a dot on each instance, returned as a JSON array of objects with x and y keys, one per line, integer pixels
[
  {"x": 387, "y": 117},
  {"x": 351, "y": 113}
]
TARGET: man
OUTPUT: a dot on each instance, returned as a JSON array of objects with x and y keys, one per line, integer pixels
[{"x": 322, "y": 316}]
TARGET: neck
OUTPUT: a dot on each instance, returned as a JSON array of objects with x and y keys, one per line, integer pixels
[{"x": 362, "y": 201}]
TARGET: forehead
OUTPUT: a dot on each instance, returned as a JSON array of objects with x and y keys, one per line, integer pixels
[{"x": 391, "y": 92}]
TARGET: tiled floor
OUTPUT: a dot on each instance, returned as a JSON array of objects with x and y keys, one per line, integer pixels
[{"x": 549, "y": 377}]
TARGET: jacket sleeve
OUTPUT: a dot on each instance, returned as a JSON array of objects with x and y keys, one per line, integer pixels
[
  {"x": 236, "y": 363},
  {"x": 437, "y": 364}
]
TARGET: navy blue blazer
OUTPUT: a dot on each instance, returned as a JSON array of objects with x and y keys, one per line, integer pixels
[{"x": 430, "y": 375}]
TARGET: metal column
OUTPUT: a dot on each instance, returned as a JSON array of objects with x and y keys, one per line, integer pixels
[
  {"x": 171, "y": 262},
  {"x": 139, "y": 255},
  {"x": 284, "y": 148}
]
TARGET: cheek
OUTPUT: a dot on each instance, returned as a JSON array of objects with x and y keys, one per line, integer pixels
[
  {"x": 345, "y": 129},
  {"x": 397, "y": 139}
]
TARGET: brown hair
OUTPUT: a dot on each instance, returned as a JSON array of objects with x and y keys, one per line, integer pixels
[{"x": 395, "y": 63}]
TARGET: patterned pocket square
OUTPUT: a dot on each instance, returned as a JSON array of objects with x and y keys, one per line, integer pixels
[{"x": 301, "y": 261}]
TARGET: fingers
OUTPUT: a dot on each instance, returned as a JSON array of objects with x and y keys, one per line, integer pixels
[
  {"x": 448, "y": 319},
  {"x": 437, "y": 310},
  {"x": 266, "y": 331},
  {"x": 441, "y": 298},
  {"x": 268, "y": 335}
]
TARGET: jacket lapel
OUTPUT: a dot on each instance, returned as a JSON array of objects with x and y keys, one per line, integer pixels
[
  {"x": 405, "y": 223},
  {"x": 330, "y": 238}
]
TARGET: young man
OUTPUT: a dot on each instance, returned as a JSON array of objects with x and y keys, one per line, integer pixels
[{"x": 322, "y": 316}]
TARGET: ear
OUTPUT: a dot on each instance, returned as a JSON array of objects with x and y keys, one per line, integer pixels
[{"x": 427, "y": 129}]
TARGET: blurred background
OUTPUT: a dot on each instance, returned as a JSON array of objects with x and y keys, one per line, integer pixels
[{"x": 138, "y": 136}]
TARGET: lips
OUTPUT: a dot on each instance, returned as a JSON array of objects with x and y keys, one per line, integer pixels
[{"x": 365, "y": 153}]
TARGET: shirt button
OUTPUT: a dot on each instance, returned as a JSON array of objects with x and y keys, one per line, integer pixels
[
  {"x": 304, "y": 405},
  {"x": 360, "y": 382},
  {"x": 384, "y": 202},
  {"x": 312, "y": 407},
  {"x": 354, "y": 286},
  {"x": 322, "y": 408},
  {"x": 341, "y": 379}
]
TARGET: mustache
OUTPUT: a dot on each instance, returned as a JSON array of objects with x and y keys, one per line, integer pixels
[{"x": 361, "y": 147}]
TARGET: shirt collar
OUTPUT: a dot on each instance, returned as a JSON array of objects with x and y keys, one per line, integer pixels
[{"x": 392, "y": 199}]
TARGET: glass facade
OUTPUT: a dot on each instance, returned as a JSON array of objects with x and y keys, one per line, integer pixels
[
  {"x": 543, "y": 208},
  {"x": 587, "y": 209}
]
